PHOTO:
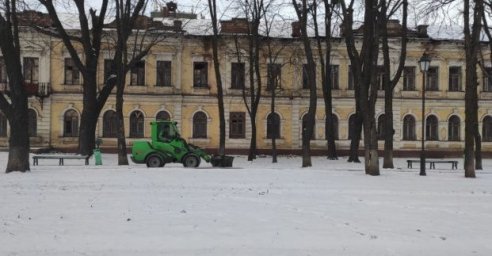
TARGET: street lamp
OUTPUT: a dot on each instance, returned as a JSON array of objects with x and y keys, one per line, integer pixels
[{"x": 424, "y": 64}]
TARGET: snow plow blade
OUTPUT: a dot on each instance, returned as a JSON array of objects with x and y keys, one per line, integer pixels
[{"x": 222, "y": 161}]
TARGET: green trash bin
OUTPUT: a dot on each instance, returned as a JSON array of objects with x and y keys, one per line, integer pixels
[
  {"x": 97, "y": 156},
  {"x": 97, "y": 152}
]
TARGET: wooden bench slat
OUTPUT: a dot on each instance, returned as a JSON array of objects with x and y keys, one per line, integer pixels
[
  {"x": 61, "y": 158},
  {"x": 432, "y": 163}
]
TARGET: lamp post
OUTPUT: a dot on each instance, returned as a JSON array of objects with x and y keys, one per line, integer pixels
[{"x": 424, "y": 64}]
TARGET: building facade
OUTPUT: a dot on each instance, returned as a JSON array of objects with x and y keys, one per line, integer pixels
[{"x": 176, "y": 81}]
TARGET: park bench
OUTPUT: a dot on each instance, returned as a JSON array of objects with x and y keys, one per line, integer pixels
[
  {"x": 432, "y": 163},
  {"x": 60, "y": 157}
]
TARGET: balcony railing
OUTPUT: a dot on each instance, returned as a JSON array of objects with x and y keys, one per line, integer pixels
[{"x": 41, "y": 90}]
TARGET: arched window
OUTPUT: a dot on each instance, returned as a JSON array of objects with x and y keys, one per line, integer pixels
[
  {"x": 431, "y": 128},
  {"x": 454, "y": 128},
  {"x": 304, "y": 127},
  {"x": 199, "y": 125},
  {"x": 71, "y": 124},
  {"x": 136, "y": 124},
  {"x": 381, "y": 127},
  {"x": 3, "y": 125},
  {"x": 334, "y": 120},
  {"x": 110, "y": 124},
  {"x": 32, "y": 122},
  {"x": 352, "y": 125},
  {"x": 163, "y": 115},
  {"x": 487, "y": 128},
  {"x": 273, "y": 126},
  {"x": 409, "y": 128}
]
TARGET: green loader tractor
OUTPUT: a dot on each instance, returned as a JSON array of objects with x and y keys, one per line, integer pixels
[{"x": 167, "y": 146}]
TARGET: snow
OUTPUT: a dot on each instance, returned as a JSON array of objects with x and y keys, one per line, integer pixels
[{"x": 255, "y": 208}]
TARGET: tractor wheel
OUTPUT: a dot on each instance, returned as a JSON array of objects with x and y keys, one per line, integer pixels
[
  {"x": 191, "y": 161},
  {"x": 154, "y": 161}
]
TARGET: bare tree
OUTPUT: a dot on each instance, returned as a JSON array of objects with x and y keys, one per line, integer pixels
[
  {"x": 89, "y": 38},
  {"x": 388, "y": 9},
  {"x": 364, "y": 68},
  {"x": 472, "y": 47},
  {"x": 127, "y": 13},
  {"x": 326, "y": 71},
  {"x": 14, "y": 105},
  {"x": 212, "y": 6},
  {"x": 302, "y": 11}
]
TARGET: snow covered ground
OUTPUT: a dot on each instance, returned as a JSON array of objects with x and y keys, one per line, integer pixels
[{"x": 255, "y": 208}]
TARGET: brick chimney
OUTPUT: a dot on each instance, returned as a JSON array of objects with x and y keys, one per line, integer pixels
[
  {"x": 296, "y": 29},
  {"x": 422, "y": 30},
  {"x": 234, "y": 26}
]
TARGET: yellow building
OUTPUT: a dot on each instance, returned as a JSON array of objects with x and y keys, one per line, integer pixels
[{"x": 176, "y": 80}]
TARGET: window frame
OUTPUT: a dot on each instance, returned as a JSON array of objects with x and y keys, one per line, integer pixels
[
  {"x": 163, "y": 73},
  {"x": 237, "y": 125},
  {"x": 71, "y": 69},
  {"x": 273, "y": 126},
  {"x": 455, "y": 79},
  {"x": 238, "y": 74},
  {"x": 431, "y": 128},
  {"x": 409, "y": 77},
  {"x": 71, "y": 123},
  {"x": 137, "y": 124},
  {"x": 30, "y": 70},
  {"x": 137, "y": 74},
  {"x": 454, "y": 128},
  {"x": 200, "y": 125},
  {"x": 432, "y": 81},
  {"x": 110, "y": 124},
  {"x": 409, "y": 126},
  {"x": 200, "y": 74}
]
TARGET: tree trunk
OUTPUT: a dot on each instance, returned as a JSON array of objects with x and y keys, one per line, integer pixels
[
  {"x": 371, "y": 146},
  {"x": 252, "y": 143},
  {"x": 356, "y": 131},
  {"x": 120, "y": 87},
  {"x": 478, "y": 151},
  {"x": 388, "y": 128},
  {"x": 89, "y": 117},
  {"x": 18, "y": 159},
  {"x": 274, "y": 136}
]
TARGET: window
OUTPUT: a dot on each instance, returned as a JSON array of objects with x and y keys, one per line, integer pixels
[
  {"x": 350, "y": 79},
  {"x": 136, "y": 125},
  {"x": 454, "y": 128},
  {"x": 3, "y": 71},
  {"x": 137, "y": 74},
  {"x": 380, "y": 77},
  {"x": 200, "y": 74},
  {"x": 31, "y": 70},
  {"x": 305, "y": 122},
  {"x": 487, "y": 80},
  {"x": 409, "y": 128},
  {"x": 381, "y": 131},
  {"x": 487, "y": 129},
  {"x": 72, "y": 74},
  {"x": 108, "y": 69},
  {"x": 455, "y": 79},
  {"x": 199, "y": 125},
  {"x": 431, "y": 128},
  {"x": 237, "y": 75},
  {"x": 3, "y": 125},
  {"x": 273, "y": 126},
  {"x": 334, "y": 119},
  {"x": 163, "y": 115},
  {"x": 163, "y": 73},
  {"x": 110, "y": 124},
  {"x": 71, "y": 124},
  {"x": 237, "y": 125},
  {"x": 432, "y": 79},
  {"x": 32, "y": 122},
  {"x": 409, "y": 79},
  {"x": 305, "y": 81},
  {"x": 274, "y": 76},
  {"x": 334, "y": 77}
]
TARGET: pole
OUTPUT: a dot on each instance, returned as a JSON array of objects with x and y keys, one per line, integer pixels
[{"x": 422, "y": 150}]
